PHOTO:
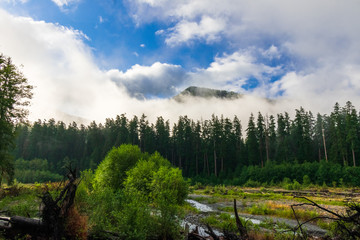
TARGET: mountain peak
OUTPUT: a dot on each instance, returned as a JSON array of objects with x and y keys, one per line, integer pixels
[{"x": 201, "y": 92}]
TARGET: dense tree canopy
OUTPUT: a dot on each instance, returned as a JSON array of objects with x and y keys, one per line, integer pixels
[
  {"x": 214, "y": 148},
  {"x": 14, "y": 95}
]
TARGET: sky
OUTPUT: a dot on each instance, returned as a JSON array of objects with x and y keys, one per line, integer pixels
[{"x": 95, "y": 59}]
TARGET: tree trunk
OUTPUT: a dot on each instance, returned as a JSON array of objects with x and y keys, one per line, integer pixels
[
  {"x": 207, "y": 163},
  {"x": 204, "y": 169},
  {"x": 215, "y": 166},
  {"x": 353, "y": 155},
  {"x": 197, "y": 164},
  {"x": 222, "y": 164}
]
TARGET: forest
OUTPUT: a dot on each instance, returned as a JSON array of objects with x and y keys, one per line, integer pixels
[{"x": 214, "y": 151}]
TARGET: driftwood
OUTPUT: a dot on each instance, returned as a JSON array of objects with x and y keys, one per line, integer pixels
[
  {"x": 348, "y": 224},
  {"x": 53, "y": 216}
]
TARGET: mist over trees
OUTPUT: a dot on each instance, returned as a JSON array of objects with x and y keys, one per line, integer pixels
[{"x": 218, "y": 147}]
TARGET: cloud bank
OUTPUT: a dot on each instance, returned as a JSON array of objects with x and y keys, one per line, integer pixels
[{"x": 300, "y": 53}]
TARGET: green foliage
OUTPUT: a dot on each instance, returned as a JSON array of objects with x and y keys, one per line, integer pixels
[
  {"x": 251, "y": 183},
  {"x": 168, "y": 184},
  {"x": 260, "y": 209},
  {"x": 211, "y": 151},
  {"x": 296, "y": 185},
  {"x": 140, "y": 203},
  {"x": 24, "y": 203},
  {"x": 134, "y": 220},
  {"x": 225, "y": 221},
  {"x": 14, "y": 95},
  {"x": 36, "y": 170},
  {"x": 112, "y": 170},
  {"x": 306, "y": 180}
]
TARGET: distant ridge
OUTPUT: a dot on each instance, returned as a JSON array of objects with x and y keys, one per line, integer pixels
[{"x": 194, "y": 91}]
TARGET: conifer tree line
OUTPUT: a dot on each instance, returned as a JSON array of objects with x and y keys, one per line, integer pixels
[{"x": 213, "y": 147}]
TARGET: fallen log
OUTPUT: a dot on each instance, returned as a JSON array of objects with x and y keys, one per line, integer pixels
[{"x": 54, "y": 214}]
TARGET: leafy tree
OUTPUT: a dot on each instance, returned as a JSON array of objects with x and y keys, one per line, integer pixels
[
  {"x": 112, "y": 170},
  {"x": 14, "y": 95}
]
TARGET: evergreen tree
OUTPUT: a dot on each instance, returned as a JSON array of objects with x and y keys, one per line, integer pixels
[
  {"x": 252, "y": 145},
  {"x": 239, "y": 143},
  {"x": 338, "y": 136},
  {"x": 352, "y": 130},
  {"x": 261, "y": 137},
  {"x": 283, "y": 135},
  {"x": 134, "y": 131},
  {"x": 162, "y": 136},
  {"x": 271, "y": 137},
  {"x": 14, "y": 95}
]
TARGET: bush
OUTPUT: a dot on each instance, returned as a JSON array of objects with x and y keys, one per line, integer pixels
[
  {"x": 135, "y": 195},
  {"x": 306, "y": 180},
  {"x": 141, "y": 176},
  {"x": 111, "y": 172},
  {"x": 296, "y": 185},
  {"x": 169, "y": 184},
  {"x": 135, "y": 220},
  {"x": 251, "y": 183}
]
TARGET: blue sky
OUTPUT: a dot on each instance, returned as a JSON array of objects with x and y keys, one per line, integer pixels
[
  {"x": 113, "y": 34},
  {"x": 95, "y": 59}
]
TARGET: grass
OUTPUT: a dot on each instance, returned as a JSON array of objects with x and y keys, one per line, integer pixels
[
  {"x": 24, "y": 199},
  {"x": 26, "y": 204},
  {"x": 225, "y": 221}
]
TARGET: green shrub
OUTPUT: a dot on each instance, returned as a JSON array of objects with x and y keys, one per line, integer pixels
[
  {"x": 168, "y": 183},
  {"x": 135, "y": 219},
  {"x": 135, "y": 195},
  {"x": 140, "y": 177},
  {"x": 111, "y": 172},
  {"x": 251, "y": 183},
  {"x": 306, "y": 180}
]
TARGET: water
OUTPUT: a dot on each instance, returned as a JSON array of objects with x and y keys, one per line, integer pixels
[
  {"x": 201, "y": 230},
  {"x": 205, "y": 208},
  {"x": 199, "y": 206},
  {"x": 254, "y": 221}
]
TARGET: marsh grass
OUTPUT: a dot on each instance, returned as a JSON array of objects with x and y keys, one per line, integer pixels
[{"x": 26, "y": 204}]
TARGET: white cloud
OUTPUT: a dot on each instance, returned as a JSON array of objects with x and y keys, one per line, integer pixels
[
  {"x": 316, "y": 42},
  {"x": 65, "y": 3},
  {"x": 148, "y": 81},
  {"x": 207, "y": 29},
  {"x": 304, "y": 29},
  {"x": 70, "y": 86},
  {"x": 232, "y": 72},
  {"x": 59, "y": 65},
  {"x": 271, "y": 53}
]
